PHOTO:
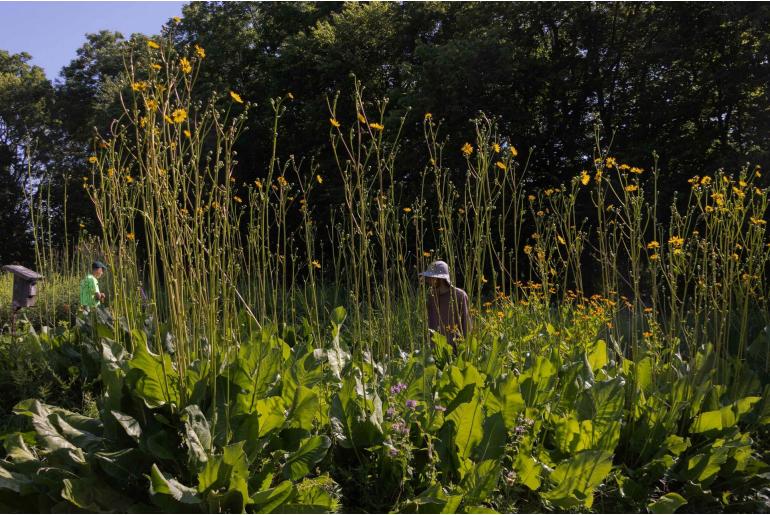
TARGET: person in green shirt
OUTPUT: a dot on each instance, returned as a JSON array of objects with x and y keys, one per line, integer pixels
[{"x": 90, "y": 296}]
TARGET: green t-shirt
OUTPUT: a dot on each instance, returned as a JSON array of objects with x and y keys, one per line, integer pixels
[{"x": 89, "y": 287}]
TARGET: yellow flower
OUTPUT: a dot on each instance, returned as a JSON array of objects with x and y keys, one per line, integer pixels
[
  {"x": 428, "y": 116},
  {"x": 467, "y": 149},
  {"x": 757, "y": 221},
  {"x": 289, "y": 95},
  {"x": 549, "y": 192},
  {"x": 653, "y": 245},
  {"x": 636, "y": 170},
  {"x": 461, "y": 210},
  {"x": 238, "y": 199},
  {"x": 282, "y": 181},
  {"x": 153, "y": 44},
  {"x": 92, "y": 160},
  {"x": 709, "y": 209},
  {"x": 528, "y": 249},
  {"x": 315, "y": 264},
  {"x": 82, "y": 226},
  {"x": 334, "y": 122},
  {"x": 187, "y": 133},
  {"x": 129, "y": 179},
  {"x": 705, "y": 181},
  {"x": 258, "y": 183},
  {"x": 361, "y": 118},
  {"x": 647, "y": 334},
  {"x": 168, "y": 120},
  {"x": 501, "y": 165},
  {"x": 738, "y": 192},
  {"x": 514, "y": 152},
  {"x": 152, "y": 104},
  {"x": 179, "y": 115},
  {"x": 155, "y": 66},
  {"x": 200, "y": 52},
  {"x": 496, "y": 148},
  {"x": 676, "y": 241},
  {"x": 236, "y": 97},
  {"x": 611, "y": 162},
  {"x": 139, "y": 86},
  {"x": 561, "y": 240},
  {"x": 426, "y": 253},
  {"x": 757, "y": 174},
  {"x": 185, "y": 65},
  {"x": 130, "y": 236},
  {"x": 407, "y": 210},
  {"x": 718, "y": 198},
  {"x": 598, "y": 176},
  {"x": 584, "y": 178},
  {"x": 319, "y": 179},
  {"x": 531, "y": 198},
  {"x": 540, "y": 213},
  {"x": 376, "y": 126},
  {"x": 632, "y": 187}
]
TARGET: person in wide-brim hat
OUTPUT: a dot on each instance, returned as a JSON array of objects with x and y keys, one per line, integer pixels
[{"x": 448, "y": 312}]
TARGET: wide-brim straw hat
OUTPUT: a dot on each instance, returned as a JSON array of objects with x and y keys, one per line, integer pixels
[{"x": 439, "y": 270}]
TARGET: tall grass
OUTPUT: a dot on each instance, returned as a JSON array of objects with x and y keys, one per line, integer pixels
[{"x": 166, "y": 178}]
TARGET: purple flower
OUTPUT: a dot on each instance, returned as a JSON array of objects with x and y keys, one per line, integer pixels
[
  {"x": 411, "y": 404},
  {"x": 397, "y": 388},
  {"x": 438, "y": 407},
  {"x": 390, "y": 412},
  {"x": 393, "y": 451}
]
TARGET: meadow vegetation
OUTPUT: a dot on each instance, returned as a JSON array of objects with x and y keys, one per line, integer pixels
[{"x": 618, "y": 360}]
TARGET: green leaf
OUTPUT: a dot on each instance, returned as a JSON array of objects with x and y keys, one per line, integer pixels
[
  {"x": 271, "y": 412},
  {"x": 299, "y": 464},
  {"x": 481, "y": 481},
  {"x": 197, "y": 435},
  {"x": 154, "y": 378},
  {"x": 468, "y": 419},
  {"x": 304, "y": 408},
  {"x": 528, "y": 471},
  {"x": 597, "y": 355},
  {"x": 338, "y": 315},
  {"x": 162, "y": 485},
  {"x": 714, "y": 420},
  {"x": 129, "y": 424},
  {"x": 268, "y": 500},
  {"x": 668, "y": 503},
  {"x": 577, "y": 478}
]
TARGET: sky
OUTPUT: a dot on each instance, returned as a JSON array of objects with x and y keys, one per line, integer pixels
[{"x": 51, "y": 32}]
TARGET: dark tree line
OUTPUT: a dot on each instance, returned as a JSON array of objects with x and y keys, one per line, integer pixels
[{"x": 688, "y": 81}]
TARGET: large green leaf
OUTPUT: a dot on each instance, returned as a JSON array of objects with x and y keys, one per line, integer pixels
[
  {"x": 92, "y": 495},
  {"x": 268, "y": 500},
  {"x": 129, "y": 424},
  {"x": 576, "y": 478},
  {"x": 303, "y": 409},
  {"x": 528, "y": 471},
  {"x": 272, "y": 414},
  {"x": 153, "y": 377},
  {"x": 197, "y": 435},
  {"x": 668, "y": 503},
  {"x": 468, "y": 419},
  {"x": 312, "y": 450},
  {"x": 481, "y": 481},
  {"x": 168, "y": 493},
  {"x": 714, "y": 420}
]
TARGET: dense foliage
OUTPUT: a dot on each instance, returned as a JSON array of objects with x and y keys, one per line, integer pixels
[{"x": 293, "y": 424}]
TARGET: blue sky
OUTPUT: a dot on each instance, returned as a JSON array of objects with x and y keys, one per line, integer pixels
[{"x": 53, "y": 31}]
